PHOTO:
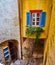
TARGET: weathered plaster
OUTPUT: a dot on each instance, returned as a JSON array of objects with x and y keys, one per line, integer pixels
[{"x": 9, "y": 20}]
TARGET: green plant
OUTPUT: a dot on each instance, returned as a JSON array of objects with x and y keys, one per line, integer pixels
[{"x": 31, "y": 31}]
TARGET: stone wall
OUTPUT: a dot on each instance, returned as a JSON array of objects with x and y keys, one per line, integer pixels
[
  {"x": 9, "y": 20},
  {"x": 28, "y": 48}
]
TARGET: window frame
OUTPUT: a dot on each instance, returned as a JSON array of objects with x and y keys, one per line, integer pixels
[
  {"x": 35, "y": 17},
  {"x": 35, "y": 11}
]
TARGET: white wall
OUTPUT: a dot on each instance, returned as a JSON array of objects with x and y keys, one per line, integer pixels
[{"x": 9, "y": 20}]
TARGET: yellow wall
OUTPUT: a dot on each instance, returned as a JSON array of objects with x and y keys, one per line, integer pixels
[
  {"x": 50, "y": 44},
  {"x": 4, "y": 44},
  {"x": 28, "y": 5}
]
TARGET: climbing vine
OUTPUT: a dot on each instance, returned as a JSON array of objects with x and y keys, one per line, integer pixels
[{"x": 32, "y": 30}]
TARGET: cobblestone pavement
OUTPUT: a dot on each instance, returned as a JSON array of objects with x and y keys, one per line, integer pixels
[{"x": 28, "y": 62}]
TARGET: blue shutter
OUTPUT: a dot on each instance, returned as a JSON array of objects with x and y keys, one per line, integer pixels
[
  {"x": 42, "y": 19},
  {"x": 28, "y": 18}
]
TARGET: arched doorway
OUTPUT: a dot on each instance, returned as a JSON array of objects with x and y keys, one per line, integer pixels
[
  {"x": 9, "y": 51},
  {"x": 13, "y": 47}
]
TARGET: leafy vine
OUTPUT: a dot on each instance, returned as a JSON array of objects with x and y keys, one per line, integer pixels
[{"x": 31, "y": 31}]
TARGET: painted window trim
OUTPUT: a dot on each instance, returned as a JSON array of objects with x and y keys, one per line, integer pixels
[
  {"x": 42, "y": 19},
  {"x": 36, "y": 23},
  {"x": 28, "y": 15},
  {"x": 33, "y": 11}
]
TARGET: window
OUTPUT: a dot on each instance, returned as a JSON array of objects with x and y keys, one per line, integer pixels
[
  {"x": 35, "y": 19},
  {"x": 38, "y": 14},
  {"x": 33, "y": 23},
  {"x": 6, "y": 53}
]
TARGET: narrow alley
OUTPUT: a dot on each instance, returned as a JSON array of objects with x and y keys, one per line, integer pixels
[{"x": 27, "y": 32}]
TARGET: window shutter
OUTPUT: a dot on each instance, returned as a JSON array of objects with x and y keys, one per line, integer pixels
[
  {"x": 42, "y": 19},
  {"x": 28, "y": 18}
]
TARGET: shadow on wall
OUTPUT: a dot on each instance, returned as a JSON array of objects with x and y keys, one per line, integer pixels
[
  {"x": 10, "y": 48},
  {"x": 13, "y": 47}
]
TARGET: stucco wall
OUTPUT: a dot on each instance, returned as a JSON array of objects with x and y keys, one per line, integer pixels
[
  {"x": 44, "y": 5},
  {"x": 9, "y": 20},
  {"x": 50, "y": 44}
]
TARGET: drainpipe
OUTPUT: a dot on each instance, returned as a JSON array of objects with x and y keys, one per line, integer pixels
[{"x": 19, "y": 10}]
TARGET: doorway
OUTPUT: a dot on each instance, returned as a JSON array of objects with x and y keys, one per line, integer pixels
[
  {"x": 13, "y": 46},
  {"x": 38, "y": 53}
]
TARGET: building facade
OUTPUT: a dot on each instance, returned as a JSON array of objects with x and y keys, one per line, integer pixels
[
  {"x": 15, "y": 17},
  {"x": 9, "y": 30}
]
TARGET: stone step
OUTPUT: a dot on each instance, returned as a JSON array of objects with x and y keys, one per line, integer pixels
[{"x": 36, "y": 55}]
